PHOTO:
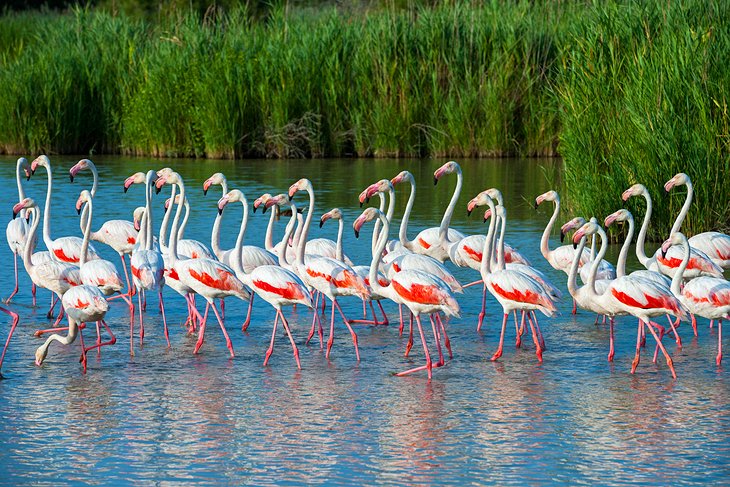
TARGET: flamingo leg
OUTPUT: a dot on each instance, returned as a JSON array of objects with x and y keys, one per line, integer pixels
[
  {"x": 352, "y": 332},
  {"x": 82, "y": 360},
  {"x": 447, "y": 342},
  {"x": 674, "y": 330},
  {"x": 15, "y": 290},
  {"x": 637, "y": 356},
  {"x": 223, "y": 307},
  {"x": 99, "y": 343},
  {"x": 400, "y": 314},
  {"x": 364, "y": 311},
  {"x": 164, "y": 319},
  {"x": 429, "y": 363},
  {"x": 201, "y": 330},
  {"x": 718, "y": 359},
  {"x": 539, "y": 332},
  {"x": 131, "y": 322},
  {"x": 16, "y": 318},
  {"x": 538, "y": 347},
  {"x": 670, "y": 363},
  {"x": 409, "y": 344},
  {"x": 522, "y": 324},
  {"x": 661, "y": 337},
  {"x": 248, "y": 313},
  {"x": 498, "y": 353},
  {"x": 315, "y": 320},
  {"x": 385, "y": 321},
  {"x": 473, "y": 284},
  {"x": 54, "y": 300},
  {"x": 575, "y": 307},
  {"x": 33, "y": 291},
  {"x": 270, "y": 350},
  {"x": 480, "y": 320},
  {"x": 295, "y": 350},
  {"x": 519, "y": 330},
  {"x": 437, "y": 337},
  {"x": 610, "y": 339},
  {"x": 331, "y": 338},
  {"x": 229, "y": 344}
]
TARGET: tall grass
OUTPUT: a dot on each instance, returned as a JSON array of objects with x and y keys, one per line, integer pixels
[{"x": 625, "y": 91}]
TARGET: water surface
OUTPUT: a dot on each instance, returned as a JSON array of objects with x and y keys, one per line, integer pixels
[{"x": 170, "y": 416}]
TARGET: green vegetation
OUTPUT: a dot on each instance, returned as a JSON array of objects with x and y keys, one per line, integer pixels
[{"x": 625, "y": 91}]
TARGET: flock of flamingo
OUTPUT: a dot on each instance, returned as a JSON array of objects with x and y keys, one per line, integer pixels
[{"x": 683, "y": 279}]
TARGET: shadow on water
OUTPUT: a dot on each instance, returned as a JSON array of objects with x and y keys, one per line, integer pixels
[{"x": 171, "y": 417}]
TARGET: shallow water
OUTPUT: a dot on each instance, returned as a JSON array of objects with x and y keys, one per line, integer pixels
[{"x": 170, "y": 416}]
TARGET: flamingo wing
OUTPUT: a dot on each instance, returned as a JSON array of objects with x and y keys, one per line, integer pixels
[
  {"x": 101, "y": 273},
  {"x": 644, "y": 294},
  {"x": 278, "y": 285},
  {"x": 68, "y": 249},
  {"x": 194, "y": 249},
  {"x": 418, "y": 287},
  {"x": 118, "y": 234},
  {"x": 424, "y": 263},
  {"x": 715, "y": 244},
  {"x": 515, "y": 287},
  {"x": 211, "y": 278},
  {"x": 699, "y": 263}
]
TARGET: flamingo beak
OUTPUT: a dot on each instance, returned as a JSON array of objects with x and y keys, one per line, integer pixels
[
  {"x": 158, "y": 185},
  {"x": 27, "y": 174},
  {"x": 577, "y": 236},
  {"x": 487, "y": 215},
  {"x": 669, "y": 185},
  {"x": 16, "y": 209},
  {"x": 136, "y": 225},
  {"x": 562, "y": 236},
  {"x": 71, "y": 177},
  {"x": 665, "y": 248},
  {"x": 206, "y": 185},
  {"x": 626, "y": 194}
]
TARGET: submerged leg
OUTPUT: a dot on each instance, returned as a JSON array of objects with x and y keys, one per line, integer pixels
[
  {"x": 498, "y": 353},
  {"x": 480, "y": 320},
  {"x": 16, "y": 318},
  {"x": 347, "y": 323},
  {"x": 538, "y": 347},
  {"x": 429, "y": 364},
  {"x": 201, "y": 330},
  {"x": 164, "y": 319},
  {"x": 670, "y": 363},
  {"x": 294, "y": 348},
  {"x": 248, "y": 313},
  {"x": 270, "y": 350},
  {"x": 718, "y": 359},
  {"x": 15, "y": 289}
]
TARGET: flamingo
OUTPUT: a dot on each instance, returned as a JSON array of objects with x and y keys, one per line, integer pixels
[
  {"x": 120, "y": 235},
  {"x": 252, "y": 256},
  {"x": 148, "y": 268},
  {"x": 57, "y": 277},
  {"x": 636, "y": 296},
  {"x": 83, "y": 304},
  {"x": 269, "y": 237},
  {"x": 17, "y": 230},
  {"x": 699, "y": 263},
  {"x": 708, "y": 297},
  {"x": 187, "y": 247},
  {"x": 277, "y": 286},
  {"x": 512, "y": 289},
  {"x": 561, "y": 257},
  {"x": 15, "y": 318},
  {"x": 63, "y": 249},
  {"x": 207, "y": 277},
  {"x": 328, "y": 276},
  {"x": 606, "y": 270},
  {"x": 715, "y": 245},
  {"x": 420, "y": 292},
  {"x": 433, "y": 241}
]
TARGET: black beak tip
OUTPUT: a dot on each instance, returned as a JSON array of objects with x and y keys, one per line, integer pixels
[
  {"x": 290, "y": 197},
  {"x": 575, "y": 245},
  {"x": 357, "y": 233},
  {"x": 71, "y": 177},
  {"x": 484, "y": 221},
  {"x": 220, "y": 211},
  {"x": 15, "y": 214},
  {"x": 205, "y": 192},
  {"x": 562, "y": 237},
  {"x": 536, "y": 205},
  {"x": 255, "y": 208},
  {"x": 435, "y": 181},
  {"x": 468, "y": 212},
  {"x": 321, "y": 222},
  {"x": 32, "y": 171},
  {"x": 78, "y": 211},
  {"x": 263, "y": 210},
  {"x": 664, "y": 254},
  {"x": 361, "y": 203},
  {"x": 27, "y": 178},
  {"x": 158, "y": 189},
  {"x": 126, "y": 188}
]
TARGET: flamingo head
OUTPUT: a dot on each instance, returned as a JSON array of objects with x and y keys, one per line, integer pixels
[
  {"x": 41, "y": 160},
  {"x": 217, "y": 178},
  {"x": 40, "y": 355},
  {"x": 84, "y": 197},
  {"x": 576, "y": 222},
  {"x": 78, "y": 167},
  {"x": 278, "y": 200},
  {"x": 23, "y": 163},
  {"x": 168, "y": 201},
  {"x": 635, "y": 190},
  {"x": 402, "y": 177},
  {"x": 301, "y": 185},
  {"x": 136, "y": 178},
  {"x": 448, "y": 168},
  {"x": 166, "y": 176},
  {"x": 551, "y": 195},
  {"x": 621, "y": 215},
  {"x": 500, "y": 211},
  {"x": 677, "y": 238},
  {"x": 478, "y": 200},
  {"x": 368, "y": 215},
  {"x": 589, "y": 228},
  {"x": 25, "y": 203},
  {"x": 496, "y": 195},
  {"x": 260, "y": 201},
  {"x": 678, "y": 180},
  {"x": 381, "y": 186},
  {"x": 487, "y": 214},
  {"x": 334, "y": 213},
  {"x": 137, "y": 217},
  {"x": 232, "y": 196}
]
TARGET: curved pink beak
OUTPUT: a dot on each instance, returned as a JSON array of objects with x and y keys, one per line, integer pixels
[
  {"x": 74, "y": 171},
  {"x": 292, "y": 190},
  {"x": 357, "y": 225},
  {"x": 16, "y": 208},
  {"x": 669, "y": 185},
  {"x": 577, "y": 236},
  {"x": 488, "y": 214},
  {"x": 222, "y": 203},
  {"x": 626, "y": 194},
  {"x": 128, "y": 182},
  {"x": 470, "y": 206},
  {"x": 665, "y": 246},
  {"x": 136, "y": 224}
]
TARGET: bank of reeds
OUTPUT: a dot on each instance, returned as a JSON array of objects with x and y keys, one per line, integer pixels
[{"x": 625, "y": 92}]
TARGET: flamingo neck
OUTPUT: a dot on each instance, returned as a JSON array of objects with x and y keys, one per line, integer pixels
[
  {"x": 269, "y": 239},
  {"x": 305, "y": 227},
  {"x": 174, "y": 234},
  {"x": 446, "y": 220},
  {"x": 545, "y": 240},
  {"x": 640, "y": 239},
  {"x": 403, "y": 232},
  {"x": 28, "y": 249},
  {"x": 376, "y": 228},
  {"x": 500, "y": 244},
  {"x": 299, "y": 222},
  {"x": 679, "y": 274},
  {"x": 621, "y": 264},
  {"x": 375, "y": 262},
  {"x": 21, "y": 192},
  {"x": 184, "y": 224},
  {"x": 87, "y": 231},
  {"x": 597, "y": 260},
  {"x": 283, "y": 261},
  {"x": 573, "y": 274},
  {"x": 166, "y": 219},
  {"x": 215, "y": 240},
  {"x": 339, "y": 253},
  {"x": 47, "y": 210},
  {"x": 485, "y": 267},
  {"x": 148, "y": 210},
  {"x": 238, "y": 253},
  {"x": 685, "y": 209},
  {"x": 94, "y": 186}
]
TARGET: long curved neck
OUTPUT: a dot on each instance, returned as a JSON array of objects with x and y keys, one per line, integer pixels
[
  {"x": 446, "y": 220},
  {"x": 172, "y": 248},
  {"x": 375, "y": 263},
  {"x": 148, "y": 212},
  {"x": 339, "y": 253},
  {"x": 403, "y": 232},
  {"x": 87, "y": 232},
  {"x": 166, "y": 219},
  {"x": 305, "y": 227},
  {"x": 641, "y": 238},
  {"x": 215, "y": 236},
  {"x": 238, "y": 253},
  {"x": 622, "y": 256},
  {"x": 287, "y": 234},
  {"x": 597, "y": 260},
  {"x": 184, "y": 224},
  {"x": 94, "y": 186},
  {"x": 47, "y": 210},
  {"x": 484, "y": 268},
  {"x": 545, "y": 240},
  {"x": 685, "y": 209},
  {"x": 269, "y": 239},
  {"x": 28, "y": 249},
  {"x": 573, "y": 274},
  {"x": 19, "y": 182},
  {"x": 376, "y": 228},
  {"x": 679, "y": 275},
  {"x": 500, "y": 244}
]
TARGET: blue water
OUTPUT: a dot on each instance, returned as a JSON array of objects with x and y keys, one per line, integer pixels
[{"x": 169, "y": 417}]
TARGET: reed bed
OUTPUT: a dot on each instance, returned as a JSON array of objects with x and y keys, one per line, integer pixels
[{"x": 625, "y": 91}]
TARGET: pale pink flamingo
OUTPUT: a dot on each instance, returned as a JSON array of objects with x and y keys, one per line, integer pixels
[
  {"x": 207, "y": 277},
  {"x": 420, "y": 292},
  {"x": 362, "y": 270},
  {"x": 83, "y": 304},
  {"x": 18, "y": 228},
  {"x": 636, "y": 296},
  {"x": 57, "y": 277},
  {"x": 277, "y": 286},
  {"x": 148, "y": 268},
  {"x": 269, "y": 237},
  {"x": 328, "y": 276},
  {"x": 699, "y": 263},
  {"x": 187, "y": 247},
  {"x": 120, "y": 235},
  {"x": 15, "y": 318},
  {"x": 63, "y": 249},
  {"x": 433, "y": 241},
  {"x": 561, "y": 257},
  {"x": 512, "y": 289},
  {"x": 715, "y": 245},
  {"x": 606, "y": 270},
  {"x": 708, "y": 297},
  {"x": 252, "y": 256}
]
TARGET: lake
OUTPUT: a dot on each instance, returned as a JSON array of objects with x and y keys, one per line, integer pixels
[{"x": 169, "y": 417}]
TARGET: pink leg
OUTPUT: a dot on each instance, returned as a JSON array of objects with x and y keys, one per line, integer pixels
[
  {"x": 718, "y": 359},
  {"x": 473, "y": 284},
  {"x": 54, "y": 300},
  {"x": 201, "y": 330},
  {"x": 610, "y": 340},
  {"x": 694, "y": 324},
  {"x": 314, "y": 318},
  {"x": 518, "y": 329},
  {"x": 324, "y": 304},
  {"x": 270, "y": 350},
  {"x": 364, "y": 311},
  {"x": 575, "y": 307},
  {"x": 131, "y": 322},
  {"x": 331, "y": 338},
  {"x": 223, "y": 329},
  {"x": 223, "y": 308},
  {"x": 39, "y": 333},
  {"x": 498, "y": 353},
  {"x": 637, "y": 356},
  {"x": 674, "y": 330},
  {"x": 347, "y": 323},
  {"x": 141, "y": 320},
  {"x": 538, "y": 347},
  {"x": 437, "y": 337},
  {"x": 670, "y": 364},
  {"x": 248, "y": 313},
  {"x": 447, "y": 342},
  {"x": 385, "y": 316},
  {"x": 83, "y": 350},
  {"x": 539, "y": 332},
  {"x": 429, "y": 364},
  {"x": 33, "y": 291},
  {"x": 409, "y": 345},
  {"x": 15, "y": 290},
  {"x": 661, "y": 337},
  {"x": 164, "y": 319},
  {"x": 400, "y": 314},
  {"x": 99, "y": 343},
  {"x": 480, "y": 320},
  {"x": 295, "y": 350},
  {"x": 16, "y": 318}
]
